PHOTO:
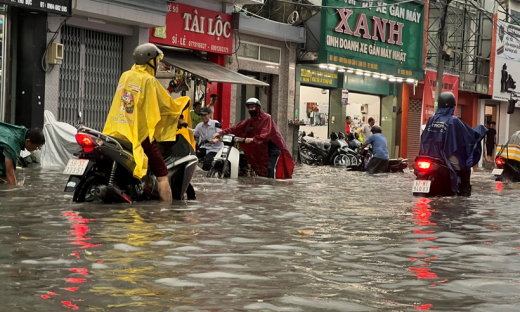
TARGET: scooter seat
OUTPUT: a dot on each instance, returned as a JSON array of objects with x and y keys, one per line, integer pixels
[{"x": 127, "y": 145}]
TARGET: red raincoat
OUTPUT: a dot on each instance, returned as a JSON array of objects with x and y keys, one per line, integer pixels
[{"x": 264, "y": 130}]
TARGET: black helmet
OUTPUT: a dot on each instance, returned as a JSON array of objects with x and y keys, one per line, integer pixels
[
  {"x": 146, "y": 52},
  {"x": 333, "y": 136},
  {"x": 376, "y": 129},
  {"x": 341, "y": 136},
  {"x": 446, "y": 99}
]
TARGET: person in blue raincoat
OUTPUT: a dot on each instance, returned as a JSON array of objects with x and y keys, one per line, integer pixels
[{"x": 448, "y": 138}]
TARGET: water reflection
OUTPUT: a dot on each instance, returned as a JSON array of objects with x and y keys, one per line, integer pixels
[{"x": 329, "y": 240}]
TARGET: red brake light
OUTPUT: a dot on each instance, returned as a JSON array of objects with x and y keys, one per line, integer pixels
[
  {"x": 499, "y": 161},
  {"x": 85, "y": 142},
  {"x": 424, "y": 165}
]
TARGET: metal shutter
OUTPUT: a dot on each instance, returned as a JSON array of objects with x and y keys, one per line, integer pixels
[
  {"x": 93, "y": 63},
  {"x": 414, "y": 129}
]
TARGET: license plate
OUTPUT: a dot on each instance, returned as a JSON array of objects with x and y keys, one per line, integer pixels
[
  {"x": 421, "y": 186},
  {"x": 497, "y": 172},
  {"x": 76, "y": 167}
]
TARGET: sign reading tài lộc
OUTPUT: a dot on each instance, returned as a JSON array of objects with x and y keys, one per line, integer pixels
[
  {"x": 61, "y": 7},
  {"x": 377, "y": 36},
  {"x": 323, "y": 78},
  {"x": 195, "y": 28}
]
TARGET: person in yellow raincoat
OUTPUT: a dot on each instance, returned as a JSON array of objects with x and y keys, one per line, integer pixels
[{"x": 143, "y": 112}]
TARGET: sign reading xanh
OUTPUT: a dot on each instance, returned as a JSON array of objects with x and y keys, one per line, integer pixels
[{"x": 195, "y": 28}]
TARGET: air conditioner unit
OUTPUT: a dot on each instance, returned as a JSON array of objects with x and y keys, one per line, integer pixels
[{"x": 364, "y": 109}]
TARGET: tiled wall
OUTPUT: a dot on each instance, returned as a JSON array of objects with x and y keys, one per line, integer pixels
[{"x": 282, "y": 84}]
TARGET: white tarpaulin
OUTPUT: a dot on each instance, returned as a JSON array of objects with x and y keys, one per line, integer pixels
[{"x": 60, "y": 142}]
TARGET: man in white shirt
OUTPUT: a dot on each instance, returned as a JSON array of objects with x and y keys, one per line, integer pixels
[
  {"x": 366, "y": 130},
  {"x": 205, "y": 130}
]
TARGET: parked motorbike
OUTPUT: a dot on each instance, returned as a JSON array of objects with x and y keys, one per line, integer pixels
[
  {"x": 314, "y": 152},
  {"x": 433, "y": 177},
  {"x": 229, "y": 161},
  {"x": 104, "y": 170}
]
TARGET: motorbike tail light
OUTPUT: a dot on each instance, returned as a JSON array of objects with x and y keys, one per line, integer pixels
[
  {"x": 85, "y": 142},
  {"x": 499, "y": 161},
  {"x": 424, "y": 165}
]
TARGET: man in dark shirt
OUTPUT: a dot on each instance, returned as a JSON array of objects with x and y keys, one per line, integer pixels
[{"x": 491, "y": 141}]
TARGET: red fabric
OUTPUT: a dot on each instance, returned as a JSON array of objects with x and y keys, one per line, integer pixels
[
  {"x": 264, "y": 130},
  {"x": 347, "y": 129},
  {"x": 155, "y": 159}
]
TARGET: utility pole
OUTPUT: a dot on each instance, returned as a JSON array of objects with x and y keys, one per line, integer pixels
[{"x": 441, "y": 54}]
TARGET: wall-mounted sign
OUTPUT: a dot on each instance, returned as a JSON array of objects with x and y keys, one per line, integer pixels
[
  {"x": 449, "y": 84},
  {"x": 195, "y": 28},
  {"x": 507, "y": 60},
  {"x": 344, "y": 97},
  {"x": 381, "y": 36},
  {"x": 61, "y": 7},
  {"x": 312, "y": 76}
]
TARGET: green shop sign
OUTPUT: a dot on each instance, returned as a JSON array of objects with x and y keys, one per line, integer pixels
[
  {"x": 323, "y": 78},
  {"x": 380, "y": 36}
]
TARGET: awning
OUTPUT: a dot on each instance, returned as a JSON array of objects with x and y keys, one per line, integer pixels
[{"x": 206, "y": 69}]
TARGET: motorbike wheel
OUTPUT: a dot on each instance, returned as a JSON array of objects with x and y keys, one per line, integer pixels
[
  {"x": 341, "y": 160},
  {"x": 213, "y": 173},
  {"x": 87, "y": 192},
  {"x": 307, "y": 157}
]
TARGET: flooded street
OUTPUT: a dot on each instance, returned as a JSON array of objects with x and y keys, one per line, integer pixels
[{"x": 368, "y": 245}]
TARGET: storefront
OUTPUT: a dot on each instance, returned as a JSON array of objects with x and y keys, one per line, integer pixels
[
  {"x": 23, "y": 33},
  {"x": 197, "y": 43},
  {"x": 506, "y": 76},
  {"x": 379, "y": 51}
]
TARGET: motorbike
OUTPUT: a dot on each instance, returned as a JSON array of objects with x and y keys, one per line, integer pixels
[
  {"x": 313, "y": 151},
  {"x": 394, "y": 165},
  {"x": 508, "y": 160},
  {"x": 229, "y": 161},
  {"x": 433, "y": 177},
  {"x": 103, "y": 170}
]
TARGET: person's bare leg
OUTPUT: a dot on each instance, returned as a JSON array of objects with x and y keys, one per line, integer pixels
[{"x": 163, "y": 186}]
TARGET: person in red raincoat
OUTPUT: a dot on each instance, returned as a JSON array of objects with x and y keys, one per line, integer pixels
[{"x": 264, "y": 146}]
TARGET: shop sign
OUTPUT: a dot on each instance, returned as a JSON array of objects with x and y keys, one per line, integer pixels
[
  {"x": 195, "y": 28},
  {"x": 62, "y": 7},
  {"x": 309, "y": 75},
  {"x": 449, "y": 84},
  {"x": 507, "y": 60},
  {"x": 380, "y": 36}
]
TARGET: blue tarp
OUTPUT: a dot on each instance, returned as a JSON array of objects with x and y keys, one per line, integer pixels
[{"x": 446, "y": 135}]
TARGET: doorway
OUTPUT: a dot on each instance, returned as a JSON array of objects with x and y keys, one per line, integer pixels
[
  {"x": 245, "y": 92},
  {"x": 491, "y": 121}
]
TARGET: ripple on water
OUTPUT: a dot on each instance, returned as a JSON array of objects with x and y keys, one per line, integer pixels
[
  {"x": 228, "y": 275},
  {"x": 175, "y": 282}
]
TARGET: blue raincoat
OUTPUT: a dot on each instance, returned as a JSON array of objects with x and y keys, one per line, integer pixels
[{"x": 446, "y": 135}]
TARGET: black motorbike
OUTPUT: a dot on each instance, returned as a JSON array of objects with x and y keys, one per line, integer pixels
[
  {"x": 394, "y": 165},
  {"x": 104, "y": 170},
  {"x": 433, "y": 177},
  {"x": 316, "y": 152}
]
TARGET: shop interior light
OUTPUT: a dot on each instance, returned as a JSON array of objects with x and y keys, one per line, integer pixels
[
  {"x": 341, "y": 70},
  {"x": 367, "y": 74},
  {"x": 383, "y": 77},
  {"x": 410, "y": 80},
  {"x": 323, "y": 66},
  {"x": 399, "y": 79},
  {"x": 376, "y": 76},
  {"x": 350, "y": 71},
  {"x": 359, "y": 73},
  {"x": 391, "y": 79}
]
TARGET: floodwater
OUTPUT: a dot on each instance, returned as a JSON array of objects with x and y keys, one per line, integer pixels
[{"x": 368, "y": 245}]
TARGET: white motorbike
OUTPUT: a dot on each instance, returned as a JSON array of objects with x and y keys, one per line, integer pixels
[{"x": 229, "y": 161}]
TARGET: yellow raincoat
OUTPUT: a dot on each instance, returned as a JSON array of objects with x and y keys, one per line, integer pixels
[{"x": 142, "y": 109}]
